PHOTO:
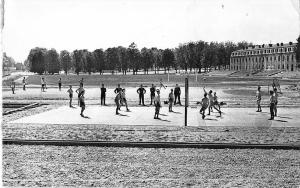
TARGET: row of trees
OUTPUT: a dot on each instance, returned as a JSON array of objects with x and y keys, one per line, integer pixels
[{"x": 193, "y": 55}]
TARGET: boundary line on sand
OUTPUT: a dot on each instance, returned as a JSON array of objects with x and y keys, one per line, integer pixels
[{"x": 151, "y": 144}]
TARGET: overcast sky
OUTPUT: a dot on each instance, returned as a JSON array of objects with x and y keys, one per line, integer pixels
[{"x": 91, "y": 24}]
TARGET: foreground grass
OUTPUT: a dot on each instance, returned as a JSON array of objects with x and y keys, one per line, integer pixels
[{"x": 135, "y": 167}]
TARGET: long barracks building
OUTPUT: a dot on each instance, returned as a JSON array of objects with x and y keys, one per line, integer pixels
[{"x": 265, "y": 57}]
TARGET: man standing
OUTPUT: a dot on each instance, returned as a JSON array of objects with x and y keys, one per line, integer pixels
[
  {"x": 272, "y": 104},
  {"x": 141, "y": 91},
  {"x": 171, "y": 100},
  {"x": 70, "y": 91},
  {"x": 24, "y": 84},
  {"x": 123, "y": 97},
  {"x": 157, "y": 104},
  {"x": 117, "y": 90},
  {"x": 82, "y": 102},
  {"x": 103, "y": 95},
  {"x": 205, "y": 104},
  {"x": 78, "y": 91},
  {"x": 177, "y": 93},
  {"x": 211, "y": 100},
  {"x": 117, "y": 101},
  {"x": 13, "y": 87},
  {"x": 258, "y": 99},
  {"x": 81, "y": 82},
  {"x": 43, "y": 83},
  {"x": 59, "y": 84},
  {"x": 152, "y": 93}
]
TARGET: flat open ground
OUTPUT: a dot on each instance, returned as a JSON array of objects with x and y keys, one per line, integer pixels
[
  {"x": 136, "y": 167},
  {"x": 144, "y": 116}
]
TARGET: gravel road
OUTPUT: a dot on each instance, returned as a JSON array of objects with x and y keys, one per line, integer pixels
[{"x": 135, "y": 167}]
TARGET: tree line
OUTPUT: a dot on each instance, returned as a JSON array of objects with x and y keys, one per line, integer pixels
[{"x": 197, "y": 56}]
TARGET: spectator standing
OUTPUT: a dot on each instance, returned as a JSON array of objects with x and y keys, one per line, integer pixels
[
  {"x": 103, "y": 95},
  {"x": 177, "y": 93},
  {"x": 152, "y": 93},
  {"x": 171, "y": 100},
  {"x": 70, "y": 91},
  {"x": 157, "y": 104},
  {"x": 59, "y": 84},
  {"x": 141, "y": 91}
]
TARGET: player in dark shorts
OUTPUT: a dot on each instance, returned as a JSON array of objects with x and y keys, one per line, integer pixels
[
  {"x": 103, "y": 95},
  {"x": 117, "y": 101},
  {"x": 157, "y": 104},
  {"x": 82, "y": 102},
  {"x": 152, "y": 93},
  {"x": 43, "y": 83},
  {"x": 70, "y": 91},
  {"x": 272, "y": 104},
  {"x": 141, "y": 91},
  {"x": 177, "y": 93},
  {"x": 78, "y": 91},
  {"x": 59, "y": 84},
  {"x": 204, "y": 105}
]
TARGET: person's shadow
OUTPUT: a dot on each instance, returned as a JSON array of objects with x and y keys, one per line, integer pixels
[
  {"x": 87, "y": 117},
  {"x": 163, "y": 120},
  {"x": 123, "y": 115}
]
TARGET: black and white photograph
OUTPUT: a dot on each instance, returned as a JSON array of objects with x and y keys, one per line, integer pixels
[{"x": 150, "y": 93}]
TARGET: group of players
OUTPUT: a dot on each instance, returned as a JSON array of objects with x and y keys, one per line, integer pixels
[
  {"x": 273, "y": 101},
  {"x": 209, "y": 102}
]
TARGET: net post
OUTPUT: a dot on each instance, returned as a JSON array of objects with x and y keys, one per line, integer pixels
[{"x": 186, "y": 100}]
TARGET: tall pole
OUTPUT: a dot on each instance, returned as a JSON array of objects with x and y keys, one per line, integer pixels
[{"x": 186, "y": 100}]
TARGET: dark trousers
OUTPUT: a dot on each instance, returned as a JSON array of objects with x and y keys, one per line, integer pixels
[
  {"x": 152, "y": 98},
  {"x": 102, "y": 99},
  {"x": 141, "y": 99},
  {"x": 118, "y": 106},
  {"x": 177, "y": 96},
  {"x": 272, "y": 106},
  {"x": 59, "y": 86}
]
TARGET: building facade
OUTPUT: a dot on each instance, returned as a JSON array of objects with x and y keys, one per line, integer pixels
[{"x": 265, "y": 57}]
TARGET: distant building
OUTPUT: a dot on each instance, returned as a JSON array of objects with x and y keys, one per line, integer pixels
[{"x": 265, "y": 57}]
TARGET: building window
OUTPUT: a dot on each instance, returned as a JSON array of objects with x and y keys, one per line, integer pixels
[
  {"x": 287, "y": 58},
  {"x": 292, "y": 57},
  {"x": 282, "y": 66},
  {"x": 275, "y": 58},
  {"x": 270, "y": 58},
  {"x": 278, "y": 58}
]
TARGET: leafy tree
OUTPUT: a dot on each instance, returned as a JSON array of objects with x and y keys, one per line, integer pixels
[
  {"x": 123, "y": 59},
  {"x": 112, "y": 58},
  {"x": 52, "y": 62},
  {"x": 298, "y": 52},
  {"x": 99, "y": 60},
  {"x": 90, "y": 62},
  {"x": 133, "y": 57},
  {"x": 65, "y": 60},
  {"x": 76, "y": 58},
  {"x": 168, "y": 59},
  {"x": 146, "y": 59},
  {"x": 36, "y": 60}
]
